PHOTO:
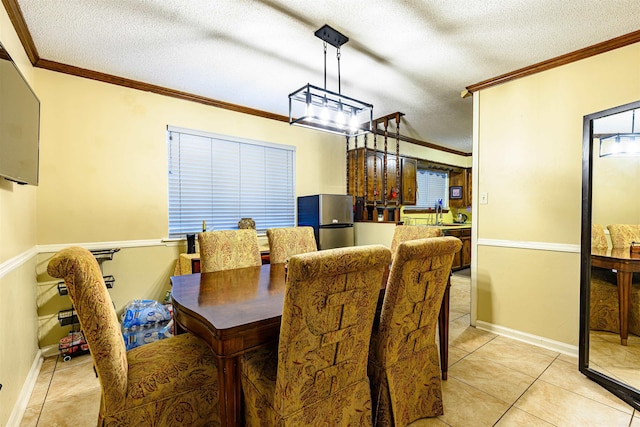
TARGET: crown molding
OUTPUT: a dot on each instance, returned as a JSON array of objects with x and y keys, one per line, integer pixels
[{"x": 558, "y": 61}]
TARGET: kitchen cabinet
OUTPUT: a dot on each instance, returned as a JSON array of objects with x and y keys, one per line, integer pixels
[
  {"x": 461, "y": 259},
  {"x": 405, "y": 193},
  {"x": 460, "y": 178},
  {"x": 409, "y": 183}
]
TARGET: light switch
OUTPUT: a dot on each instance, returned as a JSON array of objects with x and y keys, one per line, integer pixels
[{"x": 484, "y": 198}]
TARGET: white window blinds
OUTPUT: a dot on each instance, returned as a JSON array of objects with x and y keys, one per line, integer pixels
[
  {"x": 432, "y": 185},
  {"x": 221, "y": 179}
]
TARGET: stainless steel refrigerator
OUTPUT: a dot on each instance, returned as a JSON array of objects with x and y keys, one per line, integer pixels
[{"x": 331, "y": 216}]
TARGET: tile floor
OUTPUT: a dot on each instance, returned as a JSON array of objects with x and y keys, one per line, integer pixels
[{"x": 493, "y": 381}]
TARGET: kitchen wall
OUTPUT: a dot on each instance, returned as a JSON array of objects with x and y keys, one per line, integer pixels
[{"x": 528, "y": 159}]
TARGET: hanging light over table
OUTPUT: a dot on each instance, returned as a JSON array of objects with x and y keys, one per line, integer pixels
[
  {"x": 622, "y": 144},
  {"x": 321, "y": 109}
]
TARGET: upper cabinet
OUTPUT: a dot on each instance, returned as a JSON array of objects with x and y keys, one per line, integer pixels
[
  {"x": 460, "y": 186},
  {"x": 385, "y": 184},
  {"x": 409, "y": 183}
]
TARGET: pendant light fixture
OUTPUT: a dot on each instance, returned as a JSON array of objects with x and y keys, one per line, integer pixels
[
  {"x": 625, "y": 143},
  {"x": 321, "y": 109}
]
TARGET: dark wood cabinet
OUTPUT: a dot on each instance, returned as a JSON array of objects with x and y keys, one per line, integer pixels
[
  {"x": 460, "y": 178},
  {"x": 409, "y": 183},
  {"x": 461, "y": 259},
  {"x": 405, "y": 193}
]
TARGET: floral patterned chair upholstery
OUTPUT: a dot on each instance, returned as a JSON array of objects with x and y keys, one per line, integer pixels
[
  {"x": 404, "y": 366},
  {"x": 228, "y": 249},
  {"x": 171, "y": 382},
  {"x": 286, "y": 242},
  {"x": 604, "y": 312},
  {"x": 623, "y": 234},
  {"x": 317, "y": 374},
  {"x": 402, "y": 233}
]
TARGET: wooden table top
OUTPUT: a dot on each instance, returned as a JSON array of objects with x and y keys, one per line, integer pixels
[{"x": 232, "y": 298}]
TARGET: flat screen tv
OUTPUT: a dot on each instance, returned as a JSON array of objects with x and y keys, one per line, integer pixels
[{"x": 19, "y": 125}]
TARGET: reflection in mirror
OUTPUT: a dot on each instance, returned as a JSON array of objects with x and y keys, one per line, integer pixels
[{"x": 610, "y": 275}]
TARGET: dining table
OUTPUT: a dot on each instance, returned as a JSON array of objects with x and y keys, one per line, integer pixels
[
  {"x": 625, "y": 263},
  {"x": 239, "y": 310}
]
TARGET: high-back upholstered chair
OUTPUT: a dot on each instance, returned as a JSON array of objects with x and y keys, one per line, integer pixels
[
  {"x": 603, "y": 299},
  {"x": 317, "y": 374},
  {"x": 598, "y": 237},
  {"x": 404, "y": 365},
  {"x": 402, "y": 233},
  {"x": 286, "y": 242},
  {"x": 604, "y": 310},
  {"x": 623, "y": 234},
  {"x": 228, "y": 249},
  {"x": 171, "y": 382}
]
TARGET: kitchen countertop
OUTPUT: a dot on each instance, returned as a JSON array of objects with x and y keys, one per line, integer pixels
[{"x": 447, "y": 226}]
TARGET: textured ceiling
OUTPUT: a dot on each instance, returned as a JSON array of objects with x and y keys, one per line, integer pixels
[{"x": 409, "y": 56}]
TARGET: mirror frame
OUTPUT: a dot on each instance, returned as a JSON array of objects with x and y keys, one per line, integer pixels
[{"x": 625, "y": 392}]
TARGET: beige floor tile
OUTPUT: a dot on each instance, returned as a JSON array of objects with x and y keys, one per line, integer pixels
[
  {"x": 49, "y": 364},
  {"x": 467, "y": 406},
  {"x": 635, "y": 422},
  {"x": 67, "y": 382},
  {"x": 458, "y": 303},
  {"x": 466, "y": 337},
  {"x": 517, "y": 418},
  {"x": 567, "y": 376},
  {"x": 565, "y": 408},
  {"x": 569, "y": 359},
  {"x": 455, "y": 354},
  {"x": 524, "y": 358},
  {"x": 428, "y": 422},
  {"x": 78, "y": 410},
  {"x": 491, "y": 377},
  {"x": 75, "y": 361},
  {"x": 40, "y": 389},
  {"x": 30, "y": 416}
]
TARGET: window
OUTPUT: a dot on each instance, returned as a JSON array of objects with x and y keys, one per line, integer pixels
[
  {"x": 220, "y": 179},
  {"x": 432, "y": 185}
]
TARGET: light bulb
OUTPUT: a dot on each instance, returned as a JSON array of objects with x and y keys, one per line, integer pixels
[
  {"x": 340, "y": 119},
  {"x": 353, "y": 123},
  {"x": 324, "y": 115}
]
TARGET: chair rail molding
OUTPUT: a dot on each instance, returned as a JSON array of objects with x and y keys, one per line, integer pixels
[
  {"x": 11, "y": 264},
  {"x": 540, "y": 246}
]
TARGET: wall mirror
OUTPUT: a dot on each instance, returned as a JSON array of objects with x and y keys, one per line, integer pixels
[{"x": 609, "y": 350}]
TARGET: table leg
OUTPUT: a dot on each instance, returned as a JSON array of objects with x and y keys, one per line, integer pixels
[
  {"x": 443, "y": 329},
  {"x": 624, "y": 289},
  {"x": 229, "y": 395}
]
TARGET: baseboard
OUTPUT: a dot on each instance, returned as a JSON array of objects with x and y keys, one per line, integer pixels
[
  {"x": 569, "y": 350},
  {"x": 25, "y": 394}
]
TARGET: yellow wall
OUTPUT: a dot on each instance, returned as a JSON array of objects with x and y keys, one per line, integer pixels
[
  {"x": 615, "y": 182},
  {"x": 18, "y": 316},
  {"x": 528, "y": 161}
]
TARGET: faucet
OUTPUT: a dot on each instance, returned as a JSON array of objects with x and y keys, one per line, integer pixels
[{"x": 439, "y": 212}]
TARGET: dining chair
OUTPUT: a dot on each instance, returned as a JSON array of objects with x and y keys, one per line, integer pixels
[
  {"x": 603, "y": 290},
  {"x": 598, "y": 237},
  {"x": 228, "y": 249},
  {"x": 622, "y": 235},
  {"x": 317, "y": 373},
  {"x": 169, "y": 382},
  {"x": 404, "y": 367},
  {"x": 402, "y": 233},
  {"x": 289, "y": 241}
]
